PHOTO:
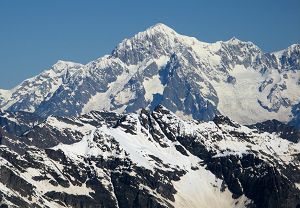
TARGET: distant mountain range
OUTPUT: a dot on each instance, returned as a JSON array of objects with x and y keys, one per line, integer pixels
[{"x": 159, "y": 66}]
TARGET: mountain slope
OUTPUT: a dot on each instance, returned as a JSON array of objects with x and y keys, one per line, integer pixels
[
  {"x": 189, "y": 77},
  {"x": 148, "y": 160}
]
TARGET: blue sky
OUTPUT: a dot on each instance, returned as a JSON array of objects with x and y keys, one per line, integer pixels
[{"x": 34, "y": 34}]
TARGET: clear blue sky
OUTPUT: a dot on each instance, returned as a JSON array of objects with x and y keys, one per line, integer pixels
[{"x": 34, "y": 34}]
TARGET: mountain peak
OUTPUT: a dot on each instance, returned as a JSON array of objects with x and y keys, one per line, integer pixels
[
  {"x": 294, "y": 47},
  {"x": 61, "y": 65},
  {"x": 156, "y": 30},
  {"x": 155, "y": 41},
  {"x": 160, "y": 27},
  {"x": 234, "y": 40},
  {"x": 64, "y": 63}
]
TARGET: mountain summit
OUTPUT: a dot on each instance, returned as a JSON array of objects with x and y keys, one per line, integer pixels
[{"x": 159, "y": 66}]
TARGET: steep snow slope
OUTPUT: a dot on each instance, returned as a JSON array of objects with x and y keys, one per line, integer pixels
[{"x": 200, "y": 181}]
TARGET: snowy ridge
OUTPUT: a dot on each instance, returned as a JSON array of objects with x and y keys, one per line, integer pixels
[
  {"x": 35, "y": 90},
  {"x": 141, "y": 148},
  {"x": 235, "y": 145},
  {"x": 154, "y": 157}
]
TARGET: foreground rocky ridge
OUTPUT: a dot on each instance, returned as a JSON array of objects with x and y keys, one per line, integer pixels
[
  {"x": 150, "y": 159},
  {"x": 160, "y": 66}
]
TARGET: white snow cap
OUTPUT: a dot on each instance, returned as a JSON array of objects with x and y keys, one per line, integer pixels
[
  {"x": 161, "y": 27},
  {"x": 61, "y": 65}
]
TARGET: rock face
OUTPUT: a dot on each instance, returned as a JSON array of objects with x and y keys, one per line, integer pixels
[
  {"x": 18, "y": 122},
  {"x": 159, "y": 66},
  {"x": 151, "y": 159},
  {"x": 273, "y": 126}
]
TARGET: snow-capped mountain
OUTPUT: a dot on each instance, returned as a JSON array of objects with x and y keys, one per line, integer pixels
[
  {"x": 32, "y": 92},
  {"x": 150, "y": 159},
  {"x": 159, "y": 66}
]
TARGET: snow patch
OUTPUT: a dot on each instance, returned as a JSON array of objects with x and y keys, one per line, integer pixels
[
  {"x": 152, "y": 86},
  {"x": 201, "y": 188}
]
